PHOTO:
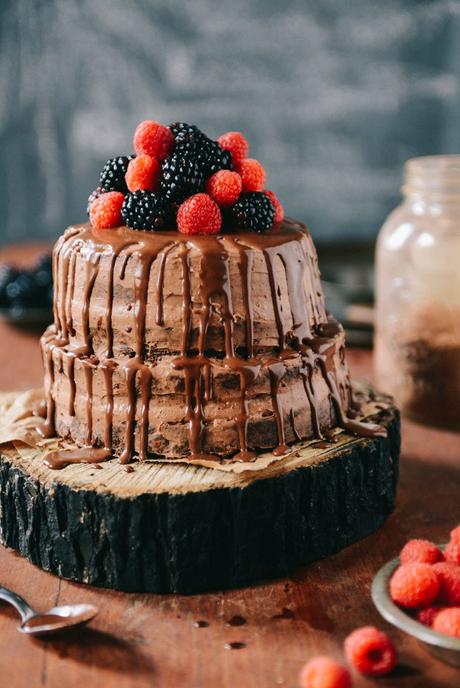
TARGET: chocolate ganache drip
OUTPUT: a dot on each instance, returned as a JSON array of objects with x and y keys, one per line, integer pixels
[{"x": 199, "y": 346}]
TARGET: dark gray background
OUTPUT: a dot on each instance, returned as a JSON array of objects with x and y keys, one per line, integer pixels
[{"x": 333, "y": 96}]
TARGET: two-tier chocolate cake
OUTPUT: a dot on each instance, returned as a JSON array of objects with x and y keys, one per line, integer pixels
[
  {"x": 170, "y": 343},
  {"x": 191, "y": 344}
]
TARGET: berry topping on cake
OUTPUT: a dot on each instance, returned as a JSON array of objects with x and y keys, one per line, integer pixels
[
  {"x": 224, "y": 187},
  {"x": 175, "y": 163},
  {"x": 143, "y": 173},
  {"x": 252, "y": 175},
  {"x": 199, "y": 215},
  {"x": 153, "y": 138},
  {"x": 236, "y": 144},
  {"x": 113, "y": 174},
  {"x": 254, "y": 211},
  {"x": 144, "y": 210},
  {"x": 105, "y": 211},
  {"x": 279, "y": 210}
]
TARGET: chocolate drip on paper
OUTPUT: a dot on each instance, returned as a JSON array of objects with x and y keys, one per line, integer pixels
[{"x": 204, "y": 262}]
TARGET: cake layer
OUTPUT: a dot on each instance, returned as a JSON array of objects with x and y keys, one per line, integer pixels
[
  {"x": 124, "y": 292},
  {"x": 175, "y": 406}
]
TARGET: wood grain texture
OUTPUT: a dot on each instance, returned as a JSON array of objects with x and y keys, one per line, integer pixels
[{"x": 140, "y": 641}]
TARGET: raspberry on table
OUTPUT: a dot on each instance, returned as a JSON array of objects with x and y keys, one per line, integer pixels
[
  {"x": 279, "y": 210},
  {"x": 448, "y": 622},
  {"x": 105, "y": 211},
  {"x": 199, "y": 214},
  {"x": 253, "y": 211},
  {"x": 370, "y": 651},
  {"x": 452, "y": 551},
  {"x": 449, "y": 580},
  {"x": 143, "y": 173},
  {"x": 324, "y": 672},
  {"x": 154, "y": 139},
  {"x": 420, "y": 550},
  {"x": 112, "y": 177},
  {"x": 145, "y": 210},
  {"x": 224, "y": 187},
  {"x": 236, "y": 143},
  {"x": 253, "y": 175},
  {"x": 427, "y": 615},
  {"x": 414, "y": 585}
]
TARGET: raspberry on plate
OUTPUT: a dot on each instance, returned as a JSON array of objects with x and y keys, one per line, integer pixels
[
  {"x": 414, "y": 585},
  {"x": 427, "y": 615},
  {"x": 279, "y": 210},
  {"x": 153, "y": 138},
  {"x": 449, "y": 580},
  {"x": 455, "y": 533},
  {"x": 236, "y": 143},
  {"x": 324, "y": 672},
  {"x": 452, "y": 551},
  {"x": 105, "y": 211},
  {"x": 252, "y": 173},
  {"x": 448, "y": 622},
  {"x": 199, "y": 214},
  {"x": 143, "y": 173},
  {"x": 370, "y": 651},
  {"x": 420, "y": 550},
  {"x": 224, "y": 187}
]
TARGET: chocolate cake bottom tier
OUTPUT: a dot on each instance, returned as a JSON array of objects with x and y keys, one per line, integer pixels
[{"x": 174, "y": 407}]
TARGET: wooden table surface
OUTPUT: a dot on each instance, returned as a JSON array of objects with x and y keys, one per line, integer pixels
[{"x": 151, "y": 640}]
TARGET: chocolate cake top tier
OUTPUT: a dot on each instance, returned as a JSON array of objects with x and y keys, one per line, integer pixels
[{"x": 131, "y": 293}]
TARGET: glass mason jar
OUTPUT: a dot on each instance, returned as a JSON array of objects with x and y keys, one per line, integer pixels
[{"x": 417, "y": 330}]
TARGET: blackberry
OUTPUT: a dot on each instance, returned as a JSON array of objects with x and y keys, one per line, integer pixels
[
  {"x": 144, "y": 210},
  {"x": 181, "y": 176},
  {"x": 254, "y": 211},
  {"x": 92, "y": 197},
  {"x": 182, "y": 131},
  {"x": 8, "y": 273},
  {"x": 113, "y": 174}
]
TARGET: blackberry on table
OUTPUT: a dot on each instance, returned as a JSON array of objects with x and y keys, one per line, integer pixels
[
  {"x": 113, "y": 174},
  {"x": 8, "y": 273},
  {"x": 254, "y": 211},
  {"x": 144, "y": 210}
]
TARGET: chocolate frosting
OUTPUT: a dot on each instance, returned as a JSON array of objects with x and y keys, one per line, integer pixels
[{"x": 192, "y": 345}]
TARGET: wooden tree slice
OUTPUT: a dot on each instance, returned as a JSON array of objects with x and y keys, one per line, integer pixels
[{"x": 184, "y": 528}]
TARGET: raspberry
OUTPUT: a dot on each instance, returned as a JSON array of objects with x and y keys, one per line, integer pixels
[
  {"x": 420, "y": 550},
  {"x": 98, "y": 191},
  {"x": 455, "y": 533},
  {"x": 324, "y": 672},
  {"x": 105, "y": 211},
  {"x": 252, "y": 174},
  {"x": 253, "y": 211},
  {"x": 143, "y": 173},
  {"x": 112, "y": 177},
  {"x": 448, "y": 622},
  {"x": 414, "y": 585},
  {"x": 235, "y": 142},
  {"x": 144, "y": 210},
  {"x": 224, "y": 187},
  {"x": 449, "y": 579},
  {"x": 370, "y": 651},
  {"x": 452, "y": 552},
  {"x": 199, "y": 214},
  {"x": 427, "y": 615},
  {"x": 279, "y": 210},
  {"x": 154, "y": 139}
]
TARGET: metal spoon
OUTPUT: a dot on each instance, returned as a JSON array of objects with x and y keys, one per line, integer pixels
[{"x": 52, "y": 621}]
